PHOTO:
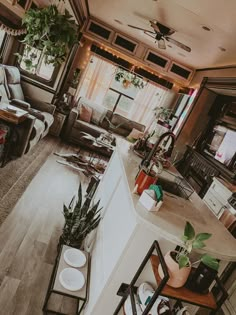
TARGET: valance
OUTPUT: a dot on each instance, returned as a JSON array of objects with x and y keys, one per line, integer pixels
[{"x": 12, "y": 31}]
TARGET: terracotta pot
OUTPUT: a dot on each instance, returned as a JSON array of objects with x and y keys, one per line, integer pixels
[
  {"x": 126, "y": 84},
  {"x": 178, "y": 277},
  {"x": 143, "y": 181}
]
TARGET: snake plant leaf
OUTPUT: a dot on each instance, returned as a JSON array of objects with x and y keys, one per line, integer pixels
[
  {"x": 210, "y": 262},
  {"x": 189, "y": 232}
]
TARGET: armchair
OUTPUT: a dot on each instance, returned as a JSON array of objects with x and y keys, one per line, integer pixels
[{"x": 41, "y": 111}]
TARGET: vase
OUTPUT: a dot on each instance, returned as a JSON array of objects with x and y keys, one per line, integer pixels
[
  {"x": 143, "y": 181},
  {"x": 178, "y": 277},
  {"x": 201, "y": 279}
]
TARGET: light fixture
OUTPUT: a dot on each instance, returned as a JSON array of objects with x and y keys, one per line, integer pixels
[{"x": 161, "y": 44}]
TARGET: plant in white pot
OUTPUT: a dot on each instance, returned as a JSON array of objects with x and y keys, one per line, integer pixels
[{"x": 178, "y": 262}]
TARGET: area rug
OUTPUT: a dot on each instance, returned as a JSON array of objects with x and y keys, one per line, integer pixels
[{"x": 17, "y": 174}]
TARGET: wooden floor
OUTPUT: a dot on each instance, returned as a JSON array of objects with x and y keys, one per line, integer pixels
[{"x": 29, "y": 236}]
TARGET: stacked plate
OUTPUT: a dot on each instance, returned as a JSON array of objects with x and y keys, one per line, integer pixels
[
  {"x": 74, "y": 257},
  {"x": 71, "y": 278}
]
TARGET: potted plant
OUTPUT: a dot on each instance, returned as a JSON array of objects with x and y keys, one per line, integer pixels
[
  {"x": 48, "y": 31},
  {"x": 178, "y": 261},
  {"x": 128, "y": 78},
  {"x": 80, "y": 220}
]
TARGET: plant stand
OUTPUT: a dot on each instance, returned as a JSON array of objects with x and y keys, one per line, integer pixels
[
  {"x": 183, "y": 294},
  {"x": 55, "y": 286}
]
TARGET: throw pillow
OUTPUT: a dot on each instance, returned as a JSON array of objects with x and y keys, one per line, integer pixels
[
  {"x": 135, "y": 135},
  {"x": 98, "y": 114},
  {"x": 85, "y": 113}
]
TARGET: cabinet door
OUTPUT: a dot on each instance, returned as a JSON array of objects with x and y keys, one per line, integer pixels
[{"x": 213, "y": 203}]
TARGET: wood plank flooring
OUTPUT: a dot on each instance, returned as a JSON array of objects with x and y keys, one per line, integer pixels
[{"x": 29, "y": 236}]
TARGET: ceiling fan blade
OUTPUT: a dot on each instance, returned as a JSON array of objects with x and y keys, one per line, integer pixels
[
  {"x": 155, "y": 27},
  {"x": 148, "y": 33},
  {"x": 180, "y": 45},
  {"x": 141, "y": 29},
  {"x": 160, "y": 28}
]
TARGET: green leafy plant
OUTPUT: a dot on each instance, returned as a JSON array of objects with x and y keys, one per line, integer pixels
[
  {"x": 80, "y": 220},
  {"x": 128, "y": 78},
  {"x": 162, "y": 113},
  {"x": 191, "y": 241},
  {"x": 49, "y": 31}
]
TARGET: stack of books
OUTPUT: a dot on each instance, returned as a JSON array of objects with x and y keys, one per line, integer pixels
[{"x": 12, "y": 114}]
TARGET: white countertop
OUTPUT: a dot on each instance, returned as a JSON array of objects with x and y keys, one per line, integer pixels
[{"x": 175, "y": 211}]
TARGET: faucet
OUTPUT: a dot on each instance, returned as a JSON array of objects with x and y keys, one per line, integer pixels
[{"x": 147, "y": 160}]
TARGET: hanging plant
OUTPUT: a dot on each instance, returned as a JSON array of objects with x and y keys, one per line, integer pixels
[
  {"x": 128, "y": 78},
  {"x": 49, "y": 31}
]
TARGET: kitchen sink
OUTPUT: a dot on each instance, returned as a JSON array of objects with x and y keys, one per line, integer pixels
[{"x": 178, "y": 187}]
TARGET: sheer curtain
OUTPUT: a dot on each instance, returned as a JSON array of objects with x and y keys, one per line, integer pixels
[
  {"x": 99, "y": 77},
  {"x": 146, "y": 100},
  {"x": 96, "y": 80}
]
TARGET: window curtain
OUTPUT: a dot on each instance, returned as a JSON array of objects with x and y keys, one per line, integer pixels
[
  {"x": 96, "y": 80},
  {"x": 145, "y": 102}
]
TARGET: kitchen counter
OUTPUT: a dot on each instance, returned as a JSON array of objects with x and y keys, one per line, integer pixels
[
  {"x": 127, "y": 230},
  {"x": 175, "y": 211}
]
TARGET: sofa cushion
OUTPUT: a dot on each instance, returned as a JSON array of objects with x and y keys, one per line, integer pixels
[
  {"x": 98, "y": 115},
  {"x": 48, "y": 120},
  {"x": 134, "y": 135},
  {"x": 82, "y": 126},
  {"x": 3, "y": 87},
  {"x": 124, "y": 123},
  {"x": 14, "y": 82},
  {"x": 99, "y": 111},
  {"x": 85, "y": 113}
]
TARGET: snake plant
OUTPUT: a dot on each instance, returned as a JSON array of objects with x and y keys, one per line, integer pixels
[{"x": 80, "y": 219}]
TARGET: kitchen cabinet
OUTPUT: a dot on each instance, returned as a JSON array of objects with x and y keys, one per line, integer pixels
[{"x": 216, "y": 197}]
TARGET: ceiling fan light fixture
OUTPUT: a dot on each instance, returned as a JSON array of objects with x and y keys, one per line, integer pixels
[{"x": 161, "y": 44}]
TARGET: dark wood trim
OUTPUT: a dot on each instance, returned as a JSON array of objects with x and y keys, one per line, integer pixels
[
  {"x": 87, "y": 7},
  {"x": 35, "y": 83},
  {"x": 65, "y": 74},
  {"x": 193, "y": 106},
  {"x": 216, "y": 68},
  {"x": 76, "y": 11}
]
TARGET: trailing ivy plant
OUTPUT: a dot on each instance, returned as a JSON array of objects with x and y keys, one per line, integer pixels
[
  {"x": 49, "y": 31},
  {"x": 128, "y": 78}
]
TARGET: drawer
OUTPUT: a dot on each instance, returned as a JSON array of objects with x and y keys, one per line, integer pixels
[
  {"x": 219, "y": 190},
  {"x": 213, "y": 203}
]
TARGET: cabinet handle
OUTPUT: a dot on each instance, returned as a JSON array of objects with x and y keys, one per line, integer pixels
[{"x": 212, "y": 202}]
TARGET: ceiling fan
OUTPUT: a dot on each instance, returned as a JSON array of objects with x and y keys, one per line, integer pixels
[{"x": 161, "y": 33}]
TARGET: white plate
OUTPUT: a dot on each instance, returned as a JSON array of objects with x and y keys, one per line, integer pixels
[
  {"x": 71, "y": 279},
  {"x": 74, "y": 257}
]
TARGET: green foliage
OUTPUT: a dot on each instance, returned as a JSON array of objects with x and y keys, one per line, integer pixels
[
  {"x": 192, "y": 241},
  {"x": 128, "y": 77},
  {"x": 80, "y": 219},
  {"x": 51, "y": 32}
]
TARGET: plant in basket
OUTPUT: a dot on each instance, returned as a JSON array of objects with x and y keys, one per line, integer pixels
[{"x": 178, "y": 261}]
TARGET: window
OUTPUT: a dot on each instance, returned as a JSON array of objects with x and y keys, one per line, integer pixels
[
  {"x": 99, "y": 85},
  {"x": 2, "y": 37},
  {"x": 33, "y": 62}
]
